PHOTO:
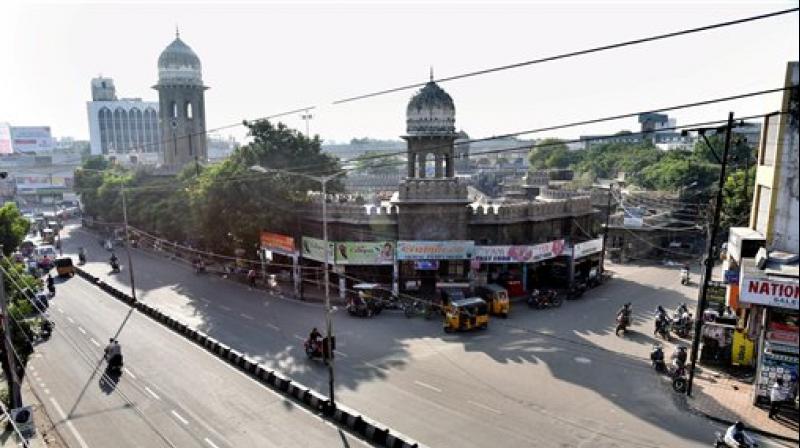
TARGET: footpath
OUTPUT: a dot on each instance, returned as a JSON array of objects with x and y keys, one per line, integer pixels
[
  {"x": 727, "y": 399},
  {"x": 46, "y": 435}
]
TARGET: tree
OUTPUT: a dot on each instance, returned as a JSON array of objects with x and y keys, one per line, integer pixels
[
  {"x": 377, "y": 163},
  {"x": 13, "y": 227},
  {"x": 15, "y": 281},
  {"x": 735, "y": 205},
  {"x": 550, "y": 153}
]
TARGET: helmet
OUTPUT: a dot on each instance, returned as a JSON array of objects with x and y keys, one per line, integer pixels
[{"x": 739, "y": 425}]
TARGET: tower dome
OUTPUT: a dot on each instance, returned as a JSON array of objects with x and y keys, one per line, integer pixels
[
  {"x": 178, "y": 64},
  {"x": 431, "y": 112}
]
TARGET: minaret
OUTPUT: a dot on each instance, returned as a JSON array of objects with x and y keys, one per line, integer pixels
[{"x": 181, "y": 96}]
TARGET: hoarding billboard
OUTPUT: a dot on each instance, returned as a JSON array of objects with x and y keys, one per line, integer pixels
[
  {"x": 31, "y": 138},
  {"x": 364, "y": 253},
  {"x": 435, "y": 250},
  {"x": 519, "y": 254}
]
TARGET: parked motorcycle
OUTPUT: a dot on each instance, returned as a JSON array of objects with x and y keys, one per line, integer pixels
[
  {"x": 46, "y": 329},
  {"x": 685, "y": 278},
  {"x": 418, "y": 307},
  {"x": 358, "y": 306},
  {"x": 115, "y": 267},
  {"x": 576, "y": 291},
  {"x": 682, "y": 325},
  {"x": 544, "y": 299},
  {"x": 719, "y": 442}
]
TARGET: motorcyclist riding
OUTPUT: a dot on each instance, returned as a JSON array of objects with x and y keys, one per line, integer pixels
[
  {"x": 735, "y": 437},
  {"x": 679, "y": 357},
  {"x": 623, "y": 317},
  {"x": 82, "y": 255},
  {"x": 114, "y": 261},
  {"x": 315, "y": 339},
  {"x": 661, "y": 320},
  {"x": 685, "y": 274},
  {"x": 113, "y": 353}
]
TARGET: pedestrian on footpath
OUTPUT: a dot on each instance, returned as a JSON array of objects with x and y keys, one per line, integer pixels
[
  {"x": 251, "y": 277},
  {"x": 776, "y": 397}
]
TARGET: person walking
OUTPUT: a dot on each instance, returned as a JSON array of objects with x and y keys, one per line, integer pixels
[
  {"x": 251, "y": 277},
  {"x": 776, "y": 397}
]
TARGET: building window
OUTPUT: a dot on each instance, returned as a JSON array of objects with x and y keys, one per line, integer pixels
[
  {"x": 106, "y": 129},
  {"x": 120, "y": 128},
  {"x": 174, "y": 109},
  {"x": 188, "y": 110}
]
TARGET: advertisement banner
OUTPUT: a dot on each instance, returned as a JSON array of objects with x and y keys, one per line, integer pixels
[
  {"x": 5, "y": 139},
  {"x": 519, "y": 254},
  {"x": 277, "y": 243},
  {"x": 587, "y": 248},
  {"x": 314, "y": 249},
  {"x": 435, "y": 250},
  {"x": 770, "y": 292},
  {"x": 369, "y": 253},
  {"x": 31, "y": 138}
]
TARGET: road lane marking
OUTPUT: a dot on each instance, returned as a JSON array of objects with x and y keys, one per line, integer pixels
[
  {"x": 203, "y": 300},
  {"x": 427, "y": 386},
  {"x": 42, "y": 385},
  {"x": 150, "y": 391},
  {"x": 179, "y": 417},
  {"x": 47, "y": 391},
  {"x": 299, "y": 338},
  {"x": 247, "y": 316},
  {"x": 274, "y": 327},
  {"x": 210, "y": 443},
  {"x": 130, "y": 374},
  {"x": 94, "y": 342},
  {"x": 81, "y": 329},
  {"x": 226, "y": 308},
  {"x": 71, "y": 427},
  {"x": 60, "y": 310},
  {"x": 342, "y": 354},
  {"x": 70, "y": 320},
  {"x": 483, "y": 406}
]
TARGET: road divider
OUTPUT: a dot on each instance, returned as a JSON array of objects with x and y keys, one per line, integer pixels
[{"x": 370, "y": 430}]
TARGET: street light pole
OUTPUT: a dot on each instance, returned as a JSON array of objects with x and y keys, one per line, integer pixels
[
  {"x": 323, "y": 180},
  {"x": 605, "y": 230},
  {"x": 709, "y": 260}
]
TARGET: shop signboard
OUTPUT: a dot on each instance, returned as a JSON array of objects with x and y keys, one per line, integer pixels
[
  {"x": 769, "y": 292},
  {"x": 519, "y": 254},
  {"x": 5, "y": 139},
  {"x": 731, "y": 276},
  {"x": 435, "y": 250},
  {"x": 368, "y": 253},
  {"x": 585, "y": 248},
  {"x": 277, "y": 243},
  {"x": 314, "y": 249}
]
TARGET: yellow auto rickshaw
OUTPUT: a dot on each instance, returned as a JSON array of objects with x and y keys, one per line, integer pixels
[
  {"x": 466, "y": 314},
  {"x": 496, "y": 297},
  {"x": 64, "y": 267}
]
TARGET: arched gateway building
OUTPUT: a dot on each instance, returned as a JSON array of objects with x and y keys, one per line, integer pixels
[{"x": 437, "y": 231}]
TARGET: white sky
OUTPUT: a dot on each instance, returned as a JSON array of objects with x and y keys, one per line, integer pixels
[{"x": 262, "y": 58}]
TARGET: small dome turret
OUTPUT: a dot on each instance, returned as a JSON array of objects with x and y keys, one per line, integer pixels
[
  {"x": 431, "y": 111},
  {"x": 178, "y": 64}
]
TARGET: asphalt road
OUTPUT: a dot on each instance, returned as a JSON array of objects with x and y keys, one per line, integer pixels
[
  {"x": 540, "y": 378},
  {"x": 171, "y": 394}
]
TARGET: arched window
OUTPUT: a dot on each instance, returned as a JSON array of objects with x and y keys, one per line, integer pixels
[
  {"x": 120, "y": 128},
  {"x": 188, "y": 110},
  {"x": 174, "y": 109},
  {"x": 106, "y": 129},
  {"x": 135, "y": 126}
]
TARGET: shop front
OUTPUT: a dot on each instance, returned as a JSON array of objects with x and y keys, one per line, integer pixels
[
  {"x": 516, "y": 268},
  {"x": 586, "y": 259},
  {"x": 423, "y": 264},
  {"x": 774, "y": 317},
  {"x": 279, "y": 256},
  {"x": 361, "y": 262}
]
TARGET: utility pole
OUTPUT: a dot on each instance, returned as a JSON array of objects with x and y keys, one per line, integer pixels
[
  {"x": 709, "y": 260},
  {"x": 605, "y": 230},
  {"x": 14, "y": 396},
  {"x": 328, "y": 317}
]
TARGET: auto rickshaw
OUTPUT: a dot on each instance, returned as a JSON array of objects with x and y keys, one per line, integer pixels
[
  {"x": 466, "y": 314},
  {"x": 496, "y": 297},
  {"x": 448, "y": 293},
  {"x": 368, "y": 300},
  {"x": 64, "y": 267},
  {"x": 48, "y": 236}
]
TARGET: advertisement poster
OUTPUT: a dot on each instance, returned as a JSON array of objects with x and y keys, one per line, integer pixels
[
  {"x": 435, "y": 250},
  {"x": 364, "y": 253},
  {"x": 314, "y": 249},
  {"x": 277, "y": 243},
  {"x": 588, "y": 248},
  {"x": 519, "y": 254}
]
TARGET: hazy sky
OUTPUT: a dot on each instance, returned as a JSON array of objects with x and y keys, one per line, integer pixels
[{"x": 262, "y": 58}]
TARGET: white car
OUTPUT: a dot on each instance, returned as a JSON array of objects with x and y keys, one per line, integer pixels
[{"x": 45, "y": 251}]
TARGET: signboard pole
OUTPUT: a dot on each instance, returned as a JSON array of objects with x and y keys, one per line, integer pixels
[{"x": 709, "y": 261}]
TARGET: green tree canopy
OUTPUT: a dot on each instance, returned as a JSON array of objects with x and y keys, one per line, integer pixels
[
  {"x": 13, "y": 227},
  {"x": 551, "y": 153}
]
